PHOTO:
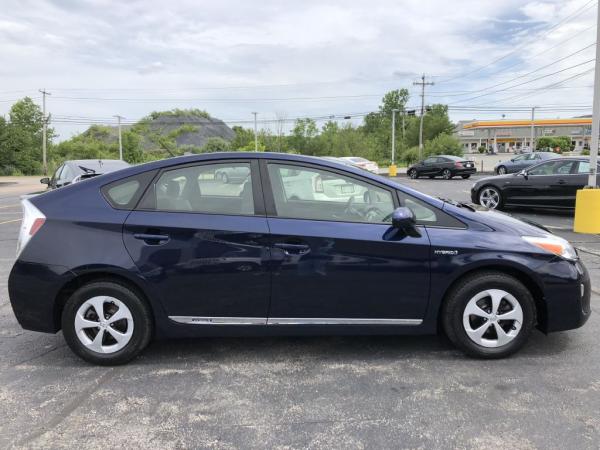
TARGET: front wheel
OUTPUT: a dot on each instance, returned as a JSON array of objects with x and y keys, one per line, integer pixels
[
  {"x": 413, "y": 174},
  {"x": 489, "y": 315},
  {"x": 106, "y": 323},
  {"x": 490, "y": 197},
  {"x": 447, "y": 174}
]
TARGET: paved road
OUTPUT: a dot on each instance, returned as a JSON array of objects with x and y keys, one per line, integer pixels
[{"x": 351, "y": 392}]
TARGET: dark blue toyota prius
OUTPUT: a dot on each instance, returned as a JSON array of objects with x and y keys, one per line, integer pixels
[{"x": 290, "y": 245}]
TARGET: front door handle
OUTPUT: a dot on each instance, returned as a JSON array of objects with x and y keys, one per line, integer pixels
[
  {"x": 152, "y": 239},
  {"x": 562, "y": 182},
  {"x": 292, "y": 249}
]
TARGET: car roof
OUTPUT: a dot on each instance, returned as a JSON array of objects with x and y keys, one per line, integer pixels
[
  {"x": 97, "y": 165},
  {"x": 283, "y": 157}
]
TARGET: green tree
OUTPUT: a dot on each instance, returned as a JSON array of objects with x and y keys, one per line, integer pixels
[
  {"x": 443, "y": 144},
  {"x": 215, "y": 144}
]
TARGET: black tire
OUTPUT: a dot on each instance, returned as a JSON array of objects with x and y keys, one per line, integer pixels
[
  {"x": 458, "y": 298},
  {"x": 140, "y": 313},
  {"x": 500, "y": 204},
  {"x": 501, "y": 170},
  {"x": 413, "y": 174},
  {"x": 224, "y": 178},
  {"x": 447, "y": 174},
  {"x": 465, "y": 177}
]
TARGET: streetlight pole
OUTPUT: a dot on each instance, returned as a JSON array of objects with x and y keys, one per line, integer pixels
[
  {"x": 255, "y": 133},
  {"x": 120, "y": 140},
  {"x": 394, "y": 111},
  {"x": 593, "y": 178}
]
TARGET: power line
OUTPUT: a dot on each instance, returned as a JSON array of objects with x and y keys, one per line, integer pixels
[{"x": 524, "y": 44}]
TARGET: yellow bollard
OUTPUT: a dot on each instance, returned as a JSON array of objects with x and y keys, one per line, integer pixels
[
  {"x": 393, "y": 170},
  {"x": 587, "y": 211}
]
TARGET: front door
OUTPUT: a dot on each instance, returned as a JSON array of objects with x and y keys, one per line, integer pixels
[
  {"x": 201, "y": 241},
  {"x": 336, "y": 259}
]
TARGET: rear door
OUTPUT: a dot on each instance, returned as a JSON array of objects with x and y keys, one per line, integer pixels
[
  {"x": 336, "y": 258},
  {"x": 202, "y": 243}
]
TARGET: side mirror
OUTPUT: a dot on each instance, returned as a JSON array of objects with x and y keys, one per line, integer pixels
[
  {"x": 403, "y": 218},
  {"x": 45, "y": 180},
  {"x": 512, "y": 160},
  {"x": 524, "y": 174}
]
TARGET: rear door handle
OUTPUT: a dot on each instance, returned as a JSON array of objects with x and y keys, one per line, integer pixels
[
  {"x": 292, "y": 249},
  {"x": 562, "y": 182},
  {"x": 152, "y": 239}
]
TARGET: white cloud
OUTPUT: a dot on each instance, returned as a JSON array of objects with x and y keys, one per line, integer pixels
[{"x": 155, "y": 50}]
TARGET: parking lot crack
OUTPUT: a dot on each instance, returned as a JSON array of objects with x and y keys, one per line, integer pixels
[{"x": 69, "y": 408}]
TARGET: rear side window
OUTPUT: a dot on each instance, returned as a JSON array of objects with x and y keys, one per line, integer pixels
[
  {"x": 125, "y": 193},
  {"x": 219, "y": 188}
]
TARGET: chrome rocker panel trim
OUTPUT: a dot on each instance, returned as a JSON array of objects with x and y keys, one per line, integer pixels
[{"x": 195, "y": 320}]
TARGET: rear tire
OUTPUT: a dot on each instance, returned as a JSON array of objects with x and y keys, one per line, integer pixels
[
  {"x": 447, "y": 174},
  {"x": 465, "y": 177},
  {"x": 109, "y": 342},
  {"x": 493, "y": 295}
]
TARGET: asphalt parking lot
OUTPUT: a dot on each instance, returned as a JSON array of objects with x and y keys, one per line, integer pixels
[{"x": 329, "y": 392}]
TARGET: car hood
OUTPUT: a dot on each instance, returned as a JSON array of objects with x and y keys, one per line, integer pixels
[
  {"x": 495, "y": 220},
  {"x": 495, "y": 179}
]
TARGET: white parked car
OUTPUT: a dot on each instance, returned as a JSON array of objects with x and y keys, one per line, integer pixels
[{"x": 362, "y": 163}]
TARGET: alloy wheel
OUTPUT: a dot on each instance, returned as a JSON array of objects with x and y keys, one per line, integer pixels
[
  {"x": 493, "y": 318},
  {"x": 489, "y": 197},
  {"x": 413, "y": 174},
  {"x": 104, "y": 324},
  {"x": 447, "y": 174}
]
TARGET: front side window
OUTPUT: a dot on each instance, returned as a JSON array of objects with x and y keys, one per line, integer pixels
[
  {"x": 220, "y": 188},
  {"x": 430, "y": 160},
  {"x": 554, "y": 168},
  {"x": 309, "y": 193}
]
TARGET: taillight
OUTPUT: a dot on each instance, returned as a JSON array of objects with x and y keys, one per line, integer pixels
[
  {"x": 33, "y": 220},
  {"x": 319, "y": 184},
  {"x": 458, "y": 164}
]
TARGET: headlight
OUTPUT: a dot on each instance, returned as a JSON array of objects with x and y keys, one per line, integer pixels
[{"x": 553, "y": 244}]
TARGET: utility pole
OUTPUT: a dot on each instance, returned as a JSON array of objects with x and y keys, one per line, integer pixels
[
  {"x": 593, "y": 178},
  {"x": 44, "y": 131},
  {"x": 394, "y": 111},
  {"x": 422, "y": 83},
  {"x": 255, "y": 133},
  {"x": 532, "y": 138},
  {"x": 120, "y": 140},
  {"x": 403, "y": 114}
]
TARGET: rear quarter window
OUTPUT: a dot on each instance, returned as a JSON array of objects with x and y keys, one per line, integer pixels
[{"x": 125, "y": 193}]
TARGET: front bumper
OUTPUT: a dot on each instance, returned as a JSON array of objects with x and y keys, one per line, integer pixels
[
  {"x": 567, "y": 295},
  {"x": 33, "y": 289}
]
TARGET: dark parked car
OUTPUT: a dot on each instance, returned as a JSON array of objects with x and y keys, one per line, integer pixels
[
  {"x": 73, "y": 171},
  {"x": 447, "y": 166},
  {"x": 164, "y": 250},
  {"x": 523, "y": 161},
  {"x": 551, "y": 184}
]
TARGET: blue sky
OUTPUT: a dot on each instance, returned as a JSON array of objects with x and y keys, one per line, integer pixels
[{"x": 289, "y": 59}]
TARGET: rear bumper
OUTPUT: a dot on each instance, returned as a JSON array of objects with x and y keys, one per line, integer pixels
[
  {"x": 33, "y": 289},
  {"x": 465, "y": 171},
  {"x": 567, "y": 298}
]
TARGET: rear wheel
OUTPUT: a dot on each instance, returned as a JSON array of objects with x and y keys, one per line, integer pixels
[
  {"x": 106, "y": 323},
  {"x": 489, "y": 315},
  {"x": 465, "y": 177},
  {"x": 501, "y": 170},
  {"x": 413, "y": 174},
  {"x": 224, "y": 178},
  {"x": 490, "y": 197},
  {"x": 447, "y": 174}
]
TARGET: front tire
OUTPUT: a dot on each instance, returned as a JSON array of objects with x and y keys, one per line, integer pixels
[
  {"x": 413, "y": 174},
  {"x": 490, "y": 197},
  {"x": 106, "y": 323},
  {"x": 489, "y": 315},
  {"x": 447, "y": 174}
]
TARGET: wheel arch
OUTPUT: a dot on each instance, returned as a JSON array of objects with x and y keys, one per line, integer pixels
[
  {"x": 104, "y": 274},
  {"x": 529, "y": 281}
]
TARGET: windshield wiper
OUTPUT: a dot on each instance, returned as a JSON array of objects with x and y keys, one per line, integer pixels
[
  {"x": 459, "y": 204},
  {"x": 87, "y": 170}
]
